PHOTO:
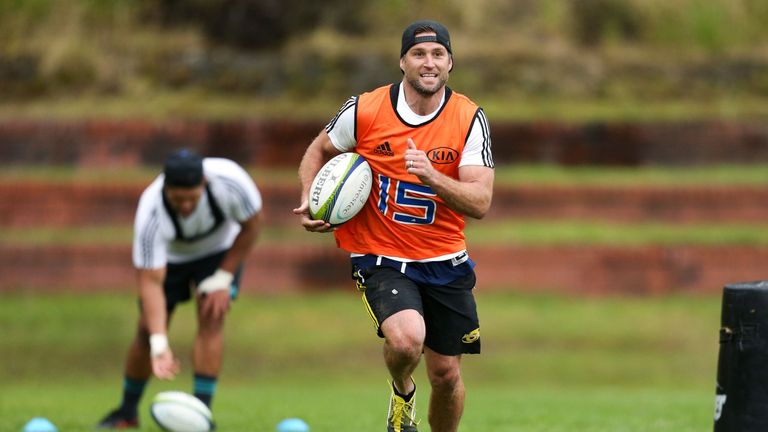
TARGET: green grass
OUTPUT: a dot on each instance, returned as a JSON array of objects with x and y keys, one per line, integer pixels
[
  {"x": 548, "y": 363},
  {"x": 573, "y": 232},
  {"x": 140, "y": 175},
  {"x": 116, "y": 235},
  {"x": 668, "y": 176},
  {"x": 112, "y": 59},
  {"x": 194, "y": 104},
  {"x": 53, "y": 236},
  {"x": 506, "y": 175},
  {"x": 253, "y": 406},
  {"x": 521, "y": 232},
  {"x": 635, "y": 108}
]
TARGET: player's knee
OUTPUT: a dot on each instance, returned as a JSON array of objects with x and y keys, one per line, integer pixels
[
  {"x": 210, "y": 325},
  {"x": 404, "y": 333},
  {"x": 444, "y": 375},
  {"x": 405, "y": 345}
]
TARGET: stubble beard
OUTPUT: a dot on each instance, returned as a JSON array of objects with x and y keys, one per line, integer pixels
[{"x": 427, "y": 91}]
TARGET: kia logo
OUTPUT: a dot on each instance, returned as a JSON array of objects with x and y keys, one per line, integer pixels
[{"x": 443, "y": 155}]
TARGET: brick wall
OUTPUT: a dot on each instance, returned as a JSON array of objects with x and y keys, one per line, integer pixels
[{"x": 253, "y": 142}]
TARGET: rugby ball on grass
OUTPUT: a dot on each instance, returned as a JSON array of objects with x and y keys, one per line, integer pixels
[
  {"x": 176, "y": 411},
  {"x": 340, "y": 189}
]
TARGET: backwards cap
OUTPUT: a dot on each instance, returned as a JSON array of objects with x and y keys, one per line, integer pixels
[
  {"x": 183, "y": 168},
  {"x": 441, "y": 35}
]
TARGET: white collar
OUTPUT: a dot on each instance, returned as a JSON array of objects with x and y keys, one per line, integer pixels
[{"x": 407, "y": 114}]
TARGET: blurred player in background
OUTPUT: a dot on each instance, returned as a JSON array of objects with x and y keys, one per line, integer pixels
[
  {"x": 430, "y": 152},
  {"x": 194, "y": 226}
]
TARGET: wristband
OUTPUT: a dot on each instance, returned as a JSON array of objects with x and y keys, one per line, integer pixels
[
  {"x": 221, "y": 280},
  {"x": 158, "y": 344}
]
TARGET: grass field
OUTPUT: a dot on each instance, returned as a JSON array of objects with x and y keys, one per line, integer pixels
[
  {"x": 506, "y": 175},
  {"x": 548, "y": 363},
  {"x": 540, "y": 232}
]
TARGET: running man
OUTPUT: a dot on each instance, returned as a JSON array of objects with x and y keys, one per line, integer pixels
[{"x": 430, "y": 152}]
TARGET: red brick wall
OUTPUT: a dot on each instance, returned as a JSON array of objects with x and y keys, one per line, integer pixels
[
  {"x": 253, "y": 142},
  {"x": 287, "y": 267},
  {"x": 578, "y": 270}
]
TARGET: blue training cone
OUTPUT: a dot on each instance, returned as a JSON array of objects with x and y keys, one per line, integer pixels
[
  {"x": 292, "y": 425},
  {"x": 39, "y": 424}
]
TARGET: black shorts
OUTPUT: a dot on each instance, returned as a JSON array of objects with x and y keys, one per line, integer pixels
[
  {"x": 180, "y": 279},
  {"x": 449, "y": 309}
]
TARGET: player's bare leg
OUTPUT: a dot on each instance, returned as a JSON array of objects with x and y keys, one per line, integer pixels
[
  {"x": 207, "y": 354},
  {"x": 447, "y": 401},
  {"x": 138, "y": 370},
  {"x": 137, "y": 362},
  {"x": 209, "y": 346},
  {"x": 404, "y": 334}
]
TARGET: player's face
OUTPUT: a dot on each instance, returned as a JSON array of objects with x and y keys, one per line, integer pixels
[
  {"x": 426, "y": 66},
  {"x": 183, "y": 199}
]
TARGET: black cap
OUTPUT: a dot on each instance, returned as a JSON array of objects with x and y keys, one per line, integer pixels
[
  {"x": 441, "y": 35},
  {"x": 183, "y": 168}
]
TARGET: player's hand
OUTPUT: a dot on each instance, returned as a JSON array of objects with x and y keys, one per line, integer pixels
[
  {"x": 310, "y": 224},
  {"x": 215, "y": 304},
  {"x": 165, "y": 366},
  {"x": 418, "y": 164}
]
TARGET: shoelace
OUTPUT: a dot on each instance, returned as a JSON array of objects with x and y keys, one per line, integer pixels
[{"x": 400, "y": 410}]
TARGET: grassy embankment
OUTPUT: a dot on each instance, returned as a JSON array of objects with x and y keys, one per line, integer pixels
[{"x": 547, "y": 59}]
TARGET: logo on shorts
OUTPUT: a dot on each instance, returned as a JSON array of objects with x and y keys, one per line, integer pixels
[
  {"x": 472, "y": 336},
  {"x": 719, "y": 403}
]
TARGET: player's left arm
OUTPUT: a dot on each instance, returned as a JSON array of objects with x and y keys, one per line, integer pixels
[
  {"x": 469, "y": 195},
  {"x": 245, "y": 208},
  {"x": 246, "y": 238},
  {"x": 216, "y": 288}
]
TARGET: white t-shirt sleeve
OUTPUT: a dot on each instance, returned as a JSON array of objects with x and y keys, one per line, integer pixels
[
  {"x": 341, "y": 129},
  {"x": 477, "y": 150},
  {"x": 241, "y": 197},
  {"x": 247, "y": 200}
]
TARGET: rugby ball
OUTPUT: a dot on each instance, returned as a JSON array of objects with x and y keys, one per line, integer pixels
[
  {"x": 340, "y": 189},
  {"x": 176, "y": 411}
]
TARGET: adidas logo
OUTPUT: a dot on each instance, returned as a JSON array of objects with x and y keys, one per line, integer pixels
[{"x": 384, "y": 150}]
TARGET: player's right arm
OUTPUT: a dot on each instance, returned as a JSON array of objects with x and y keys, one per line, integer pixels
[
  {"x": 154, "y": 313},
  {"x": 337, "y": 137},
  {"x": 150, "y": 247},
  {"x": 319, "y": 151}
]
